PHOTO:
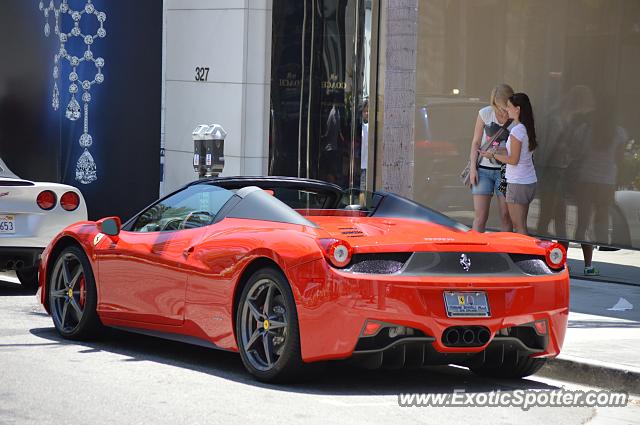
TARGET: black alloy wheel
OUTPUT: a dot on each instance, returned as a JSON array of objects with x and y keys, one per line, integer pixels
[
  {"x": 267, "y": 328},
  {"x": 72, "y": 295}
]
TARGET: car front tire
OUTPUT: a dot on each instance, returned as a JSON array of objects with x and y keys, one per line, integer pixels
[{"x": 73, "y": 296}]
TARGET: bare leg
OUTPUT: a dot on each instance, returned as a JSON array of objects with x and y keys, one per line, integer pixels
[
  {"x": 587, "y": 253},
  {"x": 585, "y": 211},
  {"x": 481, "y": 204},
  {"x": 505, "y": 220},
  {"x": 518, "y": 213}
]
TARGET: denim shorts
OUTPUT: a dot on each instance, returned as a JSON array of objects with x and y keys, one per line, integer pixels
[{"x": 488, "y": 182}]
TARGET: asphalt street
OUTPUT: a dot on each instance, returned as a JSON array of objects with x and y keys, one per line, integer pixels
[{"x": 127, "y": 378}]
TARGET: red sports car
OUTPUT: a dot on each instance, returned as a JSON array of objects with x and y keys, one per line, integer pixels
[{"x": 290, "y": 271}]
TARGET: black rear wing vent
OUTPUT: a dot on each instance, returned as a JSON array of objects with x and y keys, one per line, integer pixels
[
  {"x": 14, "y": 183},
  {"x": 390, "y": 205}
]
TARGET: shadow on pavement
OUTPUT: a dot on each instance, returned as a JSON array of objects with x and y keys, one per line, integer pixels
[
  {"x": 609, "y": 272},
  {"x": 14, "y": 289},
  {"x": 330, "y": 378}
]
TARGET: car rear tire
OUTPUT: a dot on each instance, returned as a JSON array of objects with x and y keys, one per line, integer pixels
[
  {"x": 73, "y": 296},
  {"x": 28, "y": 277},
  {"x": 267, "y": 328},
  {"x": 513, "y": 367}
]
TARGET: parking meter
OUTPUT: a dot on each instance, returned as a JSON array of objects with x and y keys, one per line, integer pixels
[
  {"x": 199, "y": 149},
  {"x": 214, "y": 137}
]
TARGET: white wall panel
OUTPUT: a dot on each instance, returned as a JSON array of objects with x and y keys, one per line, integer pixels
[
  {"x": 254, "y": 166},
  {"x": 219, "y": 4},
  {"x": 259, "y": 46},
  {"x": 232, "y": 38},
  {"x": 232, "y": 166},
  {"x": 190, "y": 104},
  {"x": 206, "y": 38},
  {"x": 210, "y": 4},
  {"x": 180, "y": 172},
  {"x": 256, "y": 134}
]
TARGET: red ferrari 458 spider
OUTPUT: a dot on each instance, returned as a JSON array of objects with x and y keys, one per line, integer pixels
[{"x": 291, "y": 271}]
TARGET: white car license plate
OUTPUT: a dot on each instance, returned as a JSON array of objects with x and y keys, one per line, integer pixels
[
  {"x": 7, "y": 224},
  {"x": 467, "y": 304}
]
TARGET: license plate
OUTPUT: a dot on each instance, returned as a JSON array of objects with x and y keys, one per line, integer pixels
[
  {"x": 467, "y": 304},
  {"x": 7, "y": 224}
]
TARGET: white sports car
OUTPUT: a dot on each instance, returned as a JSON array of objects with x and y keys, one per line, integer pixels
[{"x": 31, "y": 214}]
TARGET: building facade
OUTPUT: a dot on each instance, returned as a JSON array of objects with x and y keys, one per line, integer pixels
[{"x": 291, "y": 80}]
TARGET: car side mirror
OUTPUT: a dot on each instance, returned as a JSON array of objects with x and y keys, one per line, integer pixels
[{"x": 109, "y": 226}]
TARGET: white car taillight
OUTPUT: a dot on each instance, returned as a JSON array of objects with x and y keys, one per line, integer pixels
[
  {"x": 70, "y": 201},
  {"x": 46, "y": 200}
]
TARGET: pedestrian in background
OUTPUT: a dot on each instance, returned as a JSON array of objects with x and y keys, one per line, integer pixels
[
  {"x": 364, "y": 144},
  {"x": 520, "y": 173},
  {"x": 485, "y": 180}
]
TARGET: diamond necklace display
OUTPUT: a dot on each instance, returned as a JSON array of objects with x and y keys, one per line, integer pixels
[{"x": 86, "y": 171}]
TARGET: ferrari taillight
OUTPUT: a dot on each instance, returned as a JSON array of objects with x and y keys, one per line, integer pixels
[
  {"x": 70, "y": 201},
  {"x": 46, "y": 200},
  {"x": 555, "y": 254},
  {"x": 336, "y": 251}
]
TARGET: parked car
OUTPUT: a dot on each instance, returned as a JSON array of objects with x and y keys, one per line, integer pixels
[
  {"x": 31, "y": 214},
  {"x": 443, "y": 132},
  {"x": 289, "y": 271},
  {"x": 625, "y": 219}
]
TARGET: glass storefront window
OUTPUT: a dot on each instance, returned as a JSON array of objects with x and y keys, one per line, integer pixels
[
  {"x": 319, "y": 87},
  {"x": 578, "y": 61}
]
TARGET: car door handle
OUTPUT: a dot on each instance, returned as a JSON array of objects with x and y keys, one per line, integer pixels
[{"x": 188, "y": 251}]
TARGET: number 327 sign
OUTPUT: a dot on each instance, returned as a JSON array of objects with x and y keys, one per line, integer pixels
[{"x": 202, "y": 73}]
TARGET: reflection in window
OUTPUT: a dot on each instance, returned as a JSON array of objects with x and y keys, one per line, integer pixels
[
  {"x": 578, "y": 61},
  {"x": 300, "y": 198},
  {"x": 193, "y": 207},
  {"x": 319, "y": 79}
]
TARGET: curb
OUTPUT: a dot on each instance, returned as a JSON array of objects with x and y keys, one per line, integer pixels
[
  {"x": 604, "y": 279},
  {"x": 594, "y": 373}
]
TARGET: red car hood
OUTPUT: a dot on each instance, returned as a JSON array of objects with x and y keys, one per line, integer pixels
[{"x": 367, "y": 234}]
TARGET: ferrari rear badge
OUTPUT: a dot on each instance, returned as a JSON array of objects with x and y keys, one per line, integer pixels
[{"x": 465, "y": 262}]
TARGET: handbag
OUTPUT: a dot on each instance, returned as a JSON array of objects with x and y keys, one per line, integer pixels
[{"x": 465, "y": 174}]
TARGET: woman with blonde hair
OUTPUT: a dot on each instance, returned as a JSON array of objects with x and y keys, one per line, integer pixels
[{"x": 486, "y": 179}]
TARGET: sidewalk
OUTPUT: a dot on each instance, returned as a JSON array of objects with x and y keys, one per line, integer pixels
[
  {"x": 602, "y": 344},
  {"x": 621, "y": 266}
]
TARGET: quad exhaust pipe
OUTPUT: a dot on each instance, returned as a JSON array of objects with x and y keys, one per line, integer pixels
[
  {"x": 451, "y": 336},
  {"x": 14, "y": 265},
  {"x": 466, "y": 336}
]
